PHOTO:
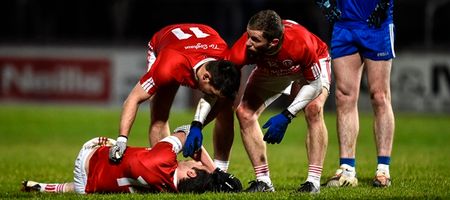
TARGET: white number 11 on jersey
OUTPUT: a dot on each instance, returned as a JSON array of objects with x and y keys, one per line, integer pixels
[{"x": 182, "y": 35}]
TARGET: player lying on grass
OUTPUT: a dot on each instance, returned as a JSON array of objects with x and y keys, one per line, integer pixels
[{"x": 142, "y": 170}]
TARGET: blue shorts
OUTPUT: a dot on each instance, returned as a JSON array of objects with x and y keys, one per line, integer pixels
[{"x": 375, "y": 44}]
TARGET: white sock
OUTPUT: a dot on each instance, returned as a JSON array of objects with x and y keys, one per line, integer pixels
[
  {"x": 314, "y": 174},
  {"x": 348, "y": 167},
  {"x": 53, "y": 187},
  {"x": 265, "y": 179},
  {"x": 263, "y": 174},
  {"x": 348, "y": 170},
  {"x": 383, "y": 169},
  {"x": 223, "y": 165}
]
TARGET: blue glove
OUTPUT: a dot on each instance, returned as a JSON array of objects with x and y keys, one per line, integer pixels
[
  {"x": 379, "y": 14},
  {"x": 331, "y": 12},
  {"x": 194, "y": 139},
  {"x": 277, "y": 127}
]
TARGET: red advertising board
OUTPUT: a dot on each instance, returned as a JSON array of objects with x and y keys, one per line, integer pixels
[{"x": 55, "y": 79}]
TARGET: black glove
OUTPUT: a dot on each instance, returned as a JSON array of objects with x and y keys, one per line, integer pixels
[
  {"x": 379, "y": 14},
  {"x": 331, "y": 12},
  {"x": 225, "y": 182}
]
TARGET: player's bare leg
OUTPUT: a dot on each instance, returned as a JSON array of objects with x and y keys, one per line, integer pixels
[
  {"x": 159, "y": 113},
  {"x": 348, "y": 72},
  {"x": 378, "y": 74},
  {"x": 223, "y": 133},
  {"x": 248, "y": 112},
  {"x": 317, "y": 137},
  {"x": 316, "y": 141}
]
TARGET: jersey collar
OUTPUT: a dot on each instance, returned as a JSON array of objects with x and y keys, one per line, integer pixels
[
  {"x": 200, "y": 63},
  {"x": 175, "y": 179}
]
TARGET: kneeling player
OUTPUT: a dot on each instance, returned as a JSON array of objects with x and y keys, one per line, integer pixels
[{"x": 142, "y": 170}]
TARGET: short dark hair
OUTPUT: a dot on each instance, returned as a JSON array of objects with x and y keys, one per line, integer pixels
[
  {"x": 269, "y": 22},
  {"x": 226, "y": 77},
  {"x": 201, "y": 183}
]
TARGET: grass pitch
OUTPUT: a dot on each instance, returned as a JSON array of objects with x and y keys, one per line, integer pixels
[{"x": 41, "y": 142}]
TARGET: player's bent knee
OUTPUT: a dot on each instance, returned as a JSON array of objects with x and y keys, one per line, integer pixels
[
  {"x": 313, "y": 111},
  {"x": 379, "y": 99},
  {"x": 345, "y": 99},
  {"x": 244, "y": 115}
]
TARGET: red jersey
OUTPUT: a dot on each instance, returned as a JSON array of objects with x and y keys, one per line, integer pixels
[
  {"x": 179, "y": 49},
  {"x": 299, "y": 53},
  {"x": 141, "y": 169}
]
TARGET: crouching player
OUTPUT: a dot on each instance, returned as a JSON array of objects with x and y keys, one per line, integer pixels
[{"x": 142, "y": 170}]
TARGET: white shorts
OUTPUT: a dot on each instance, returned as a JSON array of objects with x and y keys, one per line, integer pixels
[
  {"x": 271, "y": 87},
  {"x": 79, "y": 173}
]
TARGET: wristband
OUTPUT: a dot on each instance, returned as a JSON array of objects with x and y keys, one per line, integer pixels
[
  {"x": 197, "y": 124},
  {"x": 288, "y": 114},
  {"x": 122, "y": 138}
]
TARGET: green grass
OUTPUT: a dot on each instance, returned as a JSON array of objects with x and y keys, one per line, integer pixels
[{"x": 41, "y": 143}]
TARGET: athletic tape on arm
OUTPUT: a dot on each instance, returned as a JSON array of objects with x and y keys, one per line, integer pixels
[
  {"x": 306, "y": 94},
  {"x": 203, "y": 108}
]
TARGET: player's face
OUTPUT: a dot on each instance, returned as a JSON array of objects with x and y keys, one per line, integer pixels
[
  {"x": 186, "y": 168},
  {"x": 207, "y": 88},
  {"x": 256, "y": 43},
  {"x": 192, "y": 164}
]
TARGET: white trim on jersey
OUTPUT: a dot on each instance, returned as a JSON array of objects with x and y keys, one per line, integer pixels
[
  {"x": 131, "y": 182},
  {"x": 315, "y": 70},
  {"x": 175, "y": 178},
  {"x": 148, "y": 84},
  {"x": 200, "y": 63},
  {"x": 391, "y": 38},
  {"x": 291, "y": 21},
  {"x": 151, "y": 58},
  {"x": 176, "y": 148},
  {"x": 176, "y": 143}
]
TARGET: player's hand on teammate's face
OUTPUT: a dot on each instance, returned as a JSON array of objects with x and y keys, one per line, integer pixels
[
  {"x": 277, "y": 127},
  {"x": 116, "y": 151},
  {"x": 197, "y": 155},
  {"x": 193, "y": 141}
]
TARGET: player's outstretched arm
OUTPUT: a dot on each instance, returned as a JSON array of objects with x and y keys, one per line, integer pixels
[
  {"x": 194, "y": 140},
  {"x": 129, "y": 110},
  {"x": 204, "y": 157}
]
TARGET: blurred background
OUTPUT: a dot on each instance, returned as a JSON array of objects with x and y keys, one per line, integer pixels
[{"x": 93, "y": 52}]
